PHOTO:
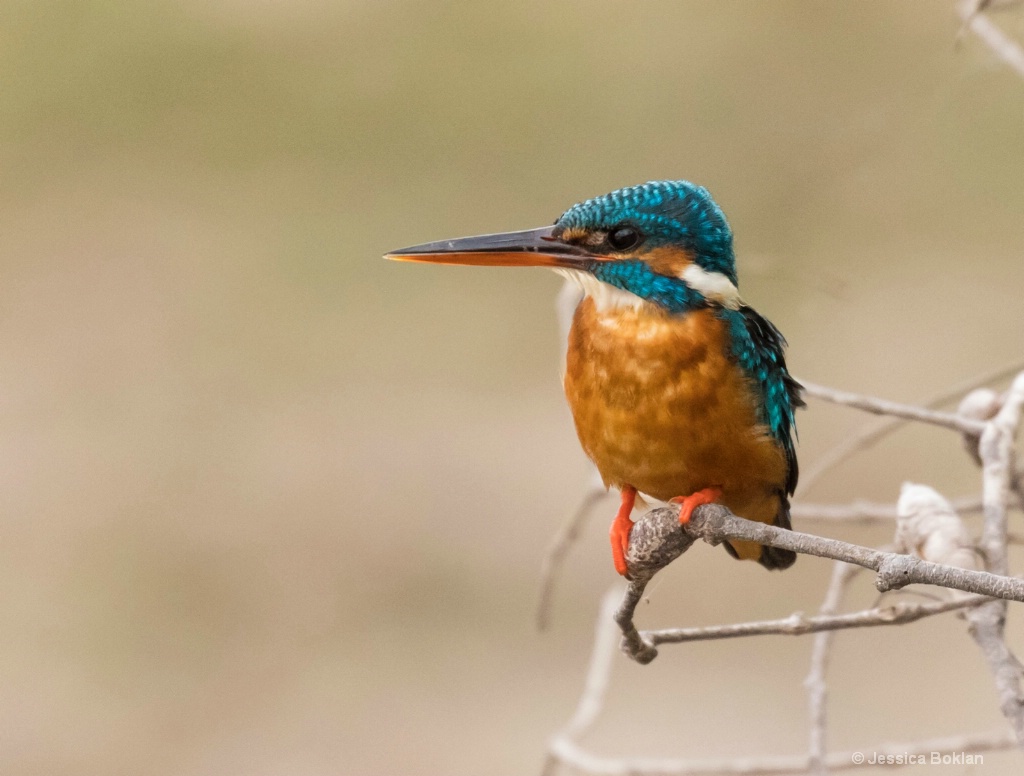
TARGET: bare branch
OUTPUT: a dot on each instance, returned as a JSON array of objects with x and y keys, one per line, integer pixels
[
  {"x": 654, "y": 541},
  {"x": 714, "y": 523},
  {"x": 884, "y": 407},
  {"x": 657, "y": 539},
  {"x": 862, "y": 511},
  {"x": 596, "y": 686},
  {"x": 817, "y": 689},
  {"x": 798, "y": 624},
  {"x": 987, "y": 623},
  {"x": 633, "y": 644}
]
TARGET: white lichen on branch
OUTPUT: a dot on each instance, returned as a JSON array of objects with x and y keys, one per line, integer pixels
[{"x": 928, "y": 527}]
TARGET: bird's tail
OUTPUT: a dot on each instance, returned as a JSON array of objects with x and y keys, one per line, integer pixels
[
  {"x": 773, "y": 557},
  {"x": 770, "y": 557}
]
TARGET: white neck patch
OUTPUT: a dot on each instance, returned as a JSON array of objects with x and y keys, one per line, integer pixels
[
  {"x": 712, "y": 285},
  {"x": 605, "y": 296}
]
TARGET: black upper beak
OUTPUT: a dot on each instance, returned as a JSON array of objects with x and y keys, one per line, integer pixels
[{"x": 529, "y": 248}]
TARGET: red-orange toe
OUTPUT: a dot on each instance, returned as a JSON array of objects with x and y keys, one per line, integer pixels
[
  {"x": 619, "y": 531},
  {"x": 689, "y": 503}
]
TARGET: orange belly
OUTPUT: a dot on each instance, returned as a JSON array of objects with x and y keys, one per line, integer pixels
[{"x": 659, "y": 405}]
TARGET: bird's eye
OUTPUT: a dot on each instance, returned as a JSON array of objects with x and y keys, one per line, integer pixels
[{"x": 622, "y": 238}]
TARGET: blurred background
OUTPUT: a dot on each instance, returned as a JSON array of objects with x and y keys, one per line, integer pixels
[{"x": 272, "y": 505}]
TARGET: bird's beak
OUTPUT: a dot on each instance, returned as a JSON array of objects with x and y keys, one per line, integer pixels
[{"x": 530, "y": 248}]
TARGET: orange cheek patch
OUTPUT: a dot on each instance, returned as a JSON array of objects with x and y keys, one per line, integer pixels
[{"x": 668, "y": 261}]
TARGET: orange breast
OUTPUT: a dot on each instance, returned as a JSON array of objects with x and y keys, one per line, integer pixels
[{"x": 659, "y": 405}]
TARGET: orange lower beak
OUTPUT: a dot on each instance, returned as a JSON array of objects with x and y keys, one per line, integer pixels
[{"x": 530, "y": 248}]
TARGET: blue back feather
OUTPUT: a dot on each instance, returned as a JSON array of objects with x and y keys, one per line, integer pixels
[{"x": 759, "y": 348}]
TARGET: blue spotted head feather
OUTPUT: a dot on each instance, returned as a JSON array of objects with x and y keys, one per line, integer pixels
[{"x": 676, "y": 213}]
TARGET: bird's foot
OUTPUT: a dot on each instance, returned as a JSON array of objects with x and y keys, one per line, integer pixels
[
  {"x": 689, "y": 503},
  {"x": 621, "y": 526}
]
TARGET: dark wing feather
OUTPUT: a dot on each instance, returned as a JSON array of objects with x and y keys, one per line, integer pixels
[{"x": 760, "y": 349}]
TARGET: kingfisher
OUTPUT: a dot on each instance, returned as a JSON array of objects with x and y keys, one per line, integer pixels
[{"x": 678, "y": 389}]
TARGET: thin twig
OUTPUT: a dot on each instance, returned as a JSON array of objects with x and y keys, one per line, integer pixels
[
  {"x": 714, "y": 523},
  {"x": 595, "y": 687},
  {"x": 599, "y": 672},
  {"x": 799, "y": 624},
  {"x": 872, "y": 434},
  {"x": 560, "y": 546},
  {"x": 893, "y": 409},
  {"x": 817, "y": 688},
  {"x": 863, "y": 511}
]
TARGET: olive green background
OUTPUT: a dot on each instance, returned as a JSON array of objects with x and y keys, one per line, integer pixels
[{"x": 271, "y": 505}]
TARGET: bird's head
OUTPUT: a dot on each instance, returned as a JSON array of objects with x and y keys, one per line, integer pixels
[{"x": 665, "y": 242}]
